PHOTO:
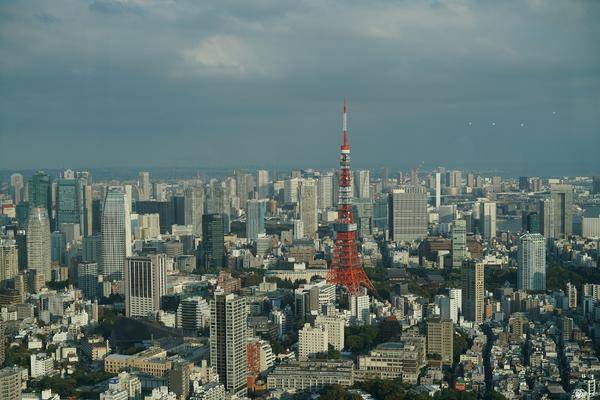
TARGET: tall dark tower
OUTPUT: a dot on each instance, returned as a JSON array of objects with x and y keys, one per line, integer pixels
[{"x": 346, "y": 267}]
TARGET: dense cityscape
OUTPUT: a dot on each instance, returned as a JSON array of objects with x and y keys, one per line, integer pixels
[{"x": 333, "y": 284}]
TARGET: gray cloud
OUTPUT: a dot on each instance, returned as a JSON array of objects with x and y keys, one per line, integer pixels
[{"x": 149, "y": 82}]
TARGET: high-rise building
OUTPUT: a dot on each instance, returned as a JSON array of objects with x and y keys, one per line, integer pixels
[
  {"x": 179, "y": 379},
  {"x": 596, "y": 184},
  {"x": 69, "y": 202},
  {"x": 16, "y": 186},
  {"x": 362, "y": 182},
  {"x": 546, "y": 218},
  {"x": 438, "y": 190},
  {"x": 524, "y": 183},
  {"x": 87, "y": 279},
  {"x": 572, "y": 295},
  {"x": 408, "y": 213},
  {"x": 9, "y": 260},
  {"x": 325, "y": 191},
  {"x": 487, "y": 219},
  {"x": 473, "y": 290},
  {"x": 241, "y": 187},
  {"x": 562, "y": 196},
  {"x": 263, "y": 183},
  {"x": 193, "y": 314},
  {"x": 531, "y": 261},
  {"x": 144, "y": 188},
  {"x": 115, "y": 243},
  {"x": 40, "y": 192},
  {"x": 440, "y": 339},
  {"x": 194, "y": 208},
  {"x": 290, "y": 190},
  {"x": 10, "y": 383},
  {"x": 335, "y": 326},
  {"x": 39, "y": 257},
  {"x": 459, "y": 242},
  {"x": 530, "y": 221},
  {"x": 255, "y": 218},
  {"x": 145, "y": 284},
  {"x": 312, "y": 340},
  {"x": 213, "y": 241},
  {"x": 87, "y": 211},
  {"x": 58, "y": 247},
  {"x": 228, "y": 341},
  {"x": 308, "y": 207}
]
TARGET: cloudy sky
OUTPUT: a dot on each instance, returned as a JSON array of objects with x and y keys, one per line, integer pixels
[{"x": 513, "y": 85}]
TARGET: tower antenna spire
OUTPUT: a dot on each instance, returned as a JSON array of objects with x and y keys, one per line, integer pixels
[{"x": 345, "y": 144}]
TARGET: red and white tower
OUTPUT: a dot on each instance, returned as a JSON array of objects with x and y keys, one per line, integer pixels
[{"x": 346, "y": 267}]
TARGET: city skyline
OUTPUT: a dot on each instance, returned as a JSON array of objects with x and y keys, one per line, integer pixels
[{"x": 224, "y": 86}]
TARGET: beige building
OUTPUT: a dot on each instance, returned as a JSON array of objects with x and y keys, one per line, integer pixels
[
  {"x": 393, "y": 360},
  {"x": 440, "y": 339},
  {"x": 152, "y": 361},
  {"x": 334, "y": 324},
  {"x": 312, "y": 340},
  {"x": 10, "y": 383}
]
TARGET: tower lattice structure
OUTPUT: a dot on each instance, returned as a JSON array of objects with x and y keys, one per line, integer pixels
[{"x": 346, "y": 267}]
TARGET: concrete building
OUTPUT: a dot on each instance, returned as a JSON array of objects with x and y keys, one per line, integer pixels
[
  {"x": 473, "y": 290},
  {"x": 531, "y": 261},
  {"x": 311, "y": 341},
  {"x": 308, "y": 207},
  {"x": 362, "y": 182},
  {"x": 255, "y": 218},
  {"x": 440, "y": 339},
  {"x": 487, "y": 219},
  {"x": 9, "y": 260},
  {"x": 262, "y": 183},
  {"x": 115, "y": 234},
  {"x": 39, "y": 253},
  {"x": 145, "y": 284},
  {"x": 311, "y": 375},
  {"x": 408, "y": 213},
  {"x": 40, "y": 365},
  {"x": 228, "y": 341},
  {"x": 335, "y": 326},
  {"x": 393, "y": 360},
  {"x": 562, "y": 197},
  {"x": 10, "y": 383},
  {"x": 325, "y": 191},
  {"x": 459, "y": 242}
]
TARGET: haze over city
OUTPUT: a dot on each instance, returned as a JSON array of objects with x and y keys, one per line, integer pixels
[{"x": 236, "y": 83}]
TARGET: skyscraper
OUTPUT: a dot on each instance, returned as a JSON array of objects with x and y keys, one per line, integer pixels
[
  {"x": 487, "y": 219},
  {"x": 408, "y": 213},
  {"x": 87, "y": 279},
  {"x": 145, "y": 284},
  {"x": 531, "y": 261},
  {"x": 290, "y": 190},
  {"x": 213, "y": 242},
  {"x": 255, "y": 218},
  {"x": 114, "y": 238},
  {"x": 241, "y": 187},
  {"x": 438, "y": 190},
  {"x": 38, "y": 242},
  {"x": 562, "y": 196},
  {"x": 596, "y": 184},
  {"x": 473, "y": 290},
  {"x": 16, "y": 185},
  {"x": 228, "y": 341},
  {"x": 325, "y": 191},
  {"x": 546, "y": 218},
  {"x": 194, "y": 208},
  {"x": 40, "y": 192},
  {"x": 9, "y": 260},
  {"x": 459, "y": 242},
  {"x": 87, "y": 211},
  {"x": 69, "y": 202},
  {"x": 144, "y": 188},
  {"x": 263, "y": 183},
  {"x": 362, "y": 181},
  {"x": 308, "y": 207}
]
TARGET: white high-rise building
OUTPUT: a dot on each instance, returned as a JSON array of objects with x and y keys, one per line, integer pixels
[
  {"x": 408, "y": 213},
  {"x": 531, "y": 262},
  {"x": 114, "y": 239},
  {"x": 145, "y": 284},
  {"x": 148, "y": 226},
  {"x": 228, "y": 341},
  {"x": 312, "y": 340},
  {"x": 334, "y": 324},
  {"x": 39, "y": 256},
  {"x": 298, "y": 229},
  {"x": 438, "y": 190},
  {"x": 487, "y": 220},
  {"x": 359, "y": 308},
  {"x": 325, "y": 191},
  {"x": 263, "y": 183},
  {"x": 455, "y": 295},
  {"x": 290, "y": 190},
  {"x": 362, "y": 181},
  {"x": 546, "y": 213},
  {"x": 16, "y": 184},
  {"x": 308, "y": 207}
]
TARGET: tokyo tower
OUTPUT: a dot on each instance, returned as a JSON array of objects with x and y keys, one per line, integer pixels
[{"x": 346, "y": 267}]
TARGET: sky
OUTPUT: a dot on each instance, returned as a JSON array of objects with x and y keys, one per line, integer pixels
[{"x": 509, "y": 85}]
